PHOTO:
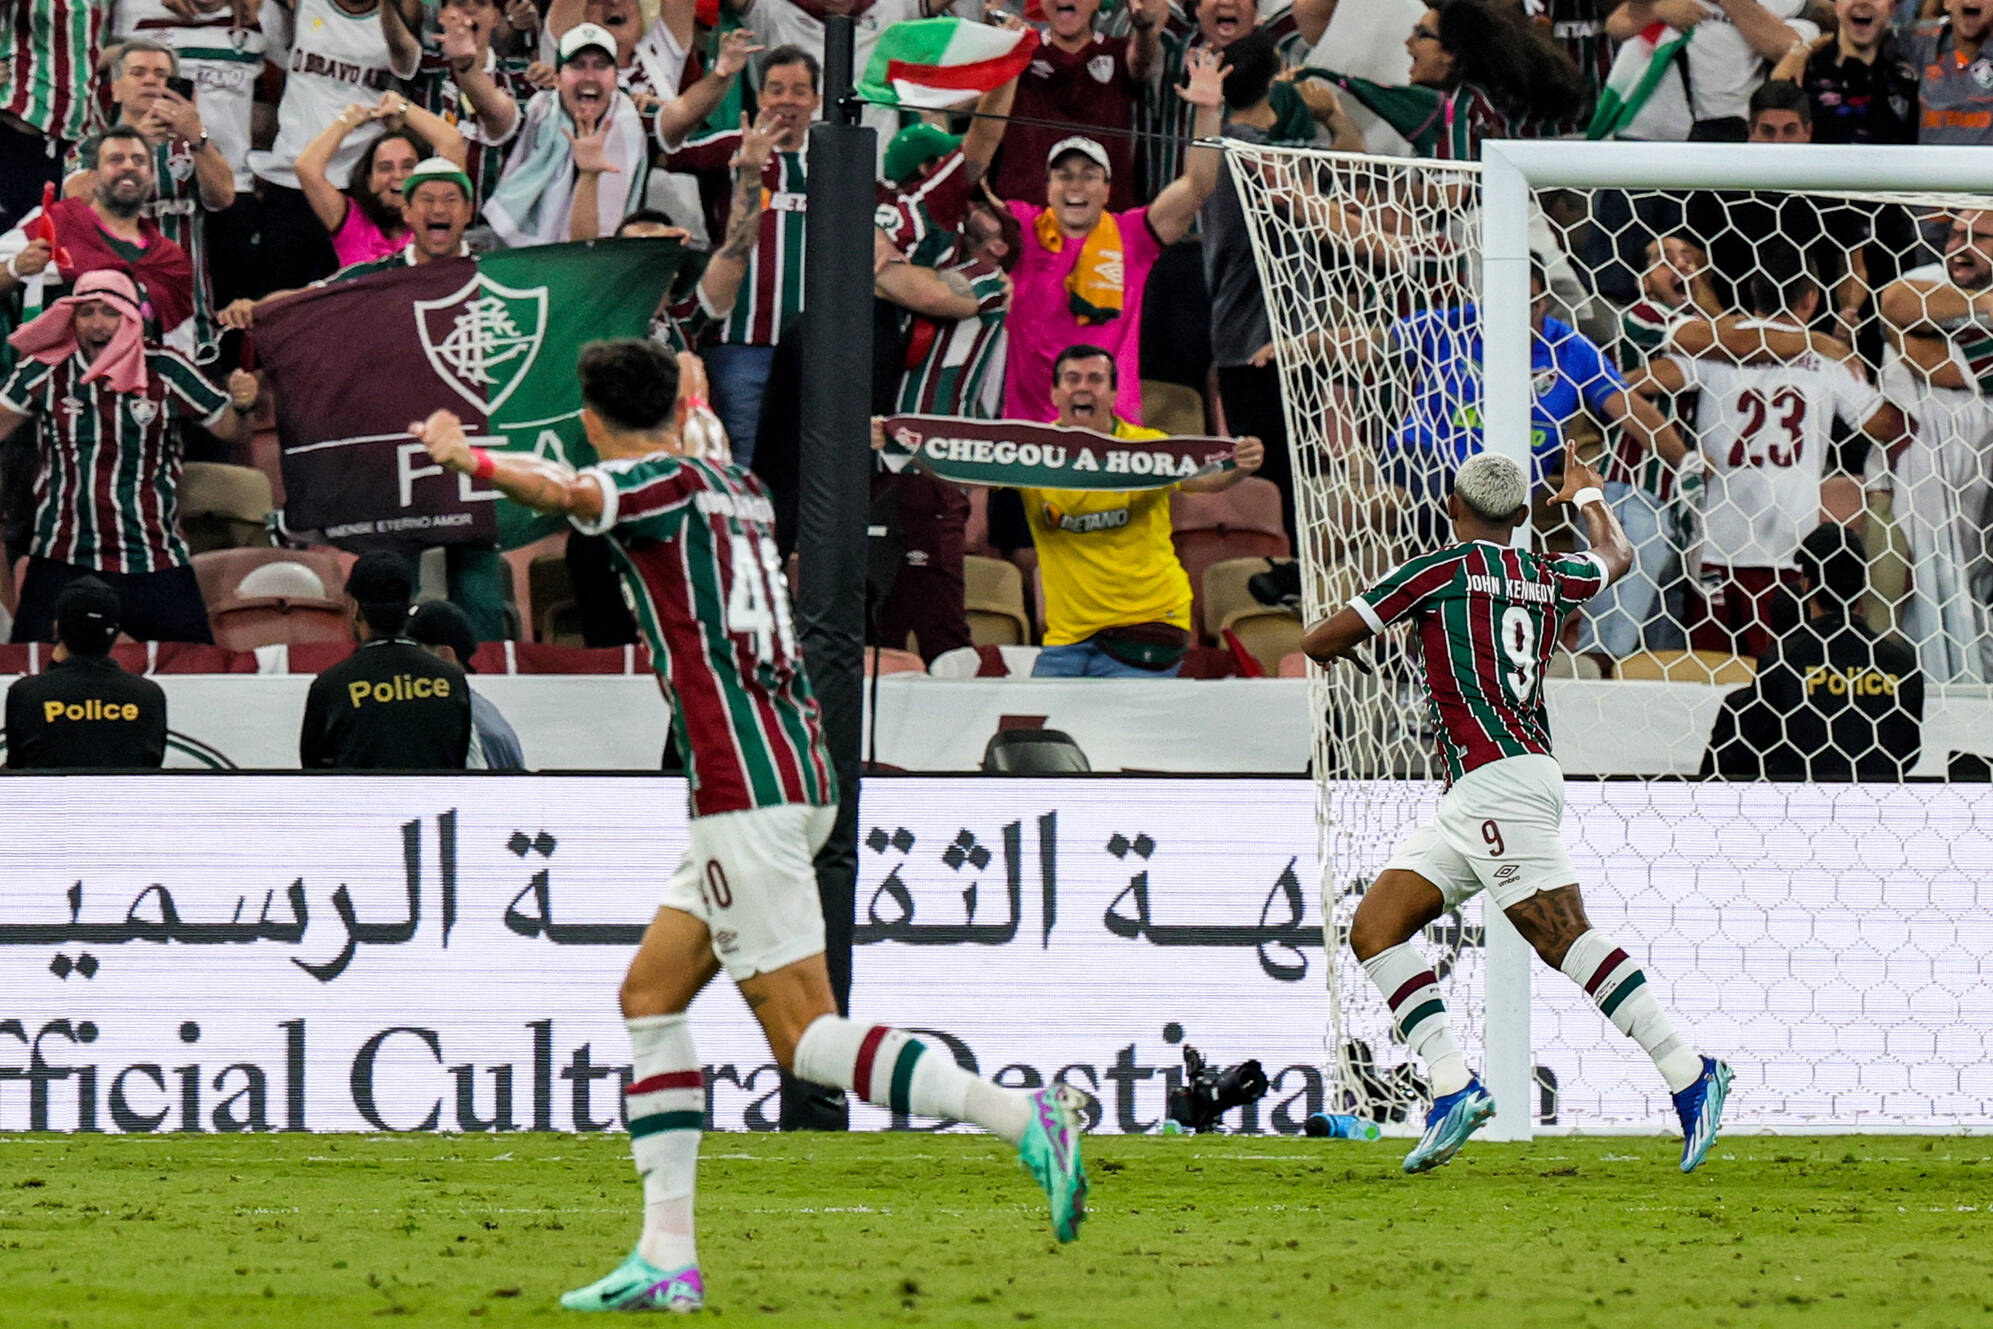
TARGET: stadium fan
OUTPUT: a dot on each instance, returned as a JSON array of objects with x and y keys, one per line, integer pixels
[
  {"x": 444, "y": 630},
  {"x": 104, "y": 408},
  {"x": 1954, "y": 96},
  {"x": 1497, "y": 824},
  {"x": 1082, "y": 274},
  {"x": 1081, "y": 81},
  {"x": 364, "y": 219},
  {"x": 1831, "y": 700},
  {"x": 929, "y": 177},
  {"x": 107, "y": 229},
  {"x": 1859, "y": 80},
  {"x": 1943, "y": 480},
  {"x": 764, "y": 801},
  {"x": 390, "y": 705},
  {"x": 1765, "y": 434},
  {"x": 339, "y": 57},
  {"x": 746, "y": 339},
  {"x": 582, "y": 158},
  {"x": 1117, "y": 600},
  {"x": 462, "y": 79},
  {"x": 1206, "y": 28},
  {"x": 191, "y": 176},
  {"x": 1732, "y": 46},
  {"x": 47, "y": 103},
  {"x": 1241, "y": 338},
  {"x": 948, "y": 372},
  {"x": 1479, "y": 70},
  {"x": 84, "y": 710}
]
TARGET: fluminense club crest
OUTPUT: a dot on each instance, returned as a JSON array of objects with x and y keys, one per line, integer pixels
[{"x": 483, "y": 339}]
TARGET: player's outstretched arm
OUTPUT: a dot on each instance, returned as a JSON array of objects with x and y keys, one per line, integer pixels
[
  {"x": 1585, "y": 489},
  {"x": 521, "y": 479},
  {"x": 1337, "y": 637}
]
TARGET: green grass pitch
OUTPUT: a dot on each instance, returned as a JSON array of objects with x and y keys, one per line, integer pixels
[{"x": 102, "y": 1232}]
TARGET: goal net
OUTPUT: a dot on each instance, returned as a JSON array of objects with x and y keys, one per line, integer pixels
[{"x": 1787, "y": 394}]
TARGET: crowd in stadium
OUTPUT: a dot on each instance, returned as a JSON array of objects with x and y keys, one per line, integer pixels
[{"x": 219, "y": 153}]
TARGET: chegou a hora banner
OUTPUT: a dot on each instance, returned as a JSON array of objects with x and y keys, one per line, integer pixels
[{"x": 492, "y": 337}]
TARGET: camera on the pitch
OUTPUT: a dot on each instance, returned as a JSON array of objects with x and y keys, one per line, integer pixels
[{"x": 1208, "y": 1093}]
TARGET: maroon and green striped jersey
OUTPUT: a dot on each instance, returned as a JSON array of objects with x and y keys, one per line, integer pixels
[
  {"x": 1164, "y": 121},
  {"x": 107, "y": 493},
  {"x": 1486, "y": 618},
  {"x": 695, "y": 545},
  {"x": 772, "y": 292},
  {"x": 922, "y": 220},
  {"x": 1445, "y": 126},
  {"x": 48, "y": 63},
  {"x": 952, "y": 374}
]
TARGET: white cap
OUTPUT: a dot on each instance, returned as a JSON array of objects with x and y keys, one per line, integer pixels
[
  {"x": 1086, "y": 147},
  {"x": 584, "y": 35}
]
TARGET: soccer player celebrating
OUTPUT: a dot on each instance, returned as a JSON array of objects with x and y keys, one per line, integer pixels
[
  {"x": 1487, "y": 616},
  {"x": 693, "y": 539}
]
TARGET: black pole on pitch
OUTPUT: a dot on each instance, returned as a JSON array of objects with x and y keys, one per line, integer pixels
[{"x": 833, "y": 489}]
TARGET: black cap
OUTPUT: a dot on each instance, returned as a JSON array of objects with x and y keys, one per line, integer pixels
[
  {"x": 440, "y": 623},
  {"x": 87, "y": 614},
  {"x": 1834, "y": 559},
  {"x": 381, "y": 578}
]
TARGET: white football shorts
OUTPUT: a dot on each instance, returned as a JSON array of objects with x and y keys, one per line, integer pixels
[
  {"x": 1499, "y": 830},
  {"x": 751, "y": 878}
]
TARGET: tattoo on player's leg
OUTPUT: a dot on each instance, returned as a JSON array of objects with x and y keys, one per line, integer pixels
[{"x": 1550, "y": 921}]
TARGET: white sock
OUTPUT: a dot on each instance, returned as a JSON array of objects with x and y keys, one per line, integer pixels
[
  {"x": 895, "y": 1070},
  {"x": 1418, "y": 1015},
  {"x": 1610, "y": 978},
  {"x": 666, "y": 1107}
]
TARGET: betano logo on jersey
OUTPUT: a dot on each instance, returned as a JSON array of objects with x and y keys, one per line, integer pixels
[
  {"x": 483, "y": 338},
  {"x": 1085, "y": 523}
]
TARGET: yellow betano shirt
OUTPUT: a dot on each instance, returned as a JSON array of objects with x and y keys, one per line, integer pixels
[{"x": 1106, "y": 558}]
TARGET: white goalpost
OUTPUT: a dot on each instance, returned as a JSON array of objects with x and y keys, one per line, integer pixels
[{"x": 1821, "y": 935}]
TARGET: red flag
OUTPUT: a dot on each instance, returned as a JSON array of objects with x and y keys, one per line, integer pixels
[{"x": 44, "y": 228}]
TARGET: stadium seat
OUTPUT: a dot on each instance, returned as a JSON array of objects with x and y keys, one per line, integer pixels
[
  {"x": 287, "y": 578},
  {"x": 994, "y": 596},
  {"x": 1568, "y": 664},
  {"x": 985, "y": 662},
  {"x": 1294, "y": 665},
  {"x": 223, "y": 506},
  {"x": 271, "y": 620},
  {"x": 883, "y": 661},
  {"x": 1033, "y": 752},
  {"x": 1172, "y": 408},
  {"x": 1240, "y": 522},
  {"x": 221, "y": 571},
  {"x": 550, "y": 593},
  {"x": 1713, "y": 667},
  {"x": 1268, "y": 634},
  {"x": 521, "y": 561}
]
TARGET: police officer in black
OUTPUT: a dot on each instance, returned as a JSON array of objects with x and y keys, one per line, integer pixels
[
  {"x": 391, "y": 705},
  {"x": 1831, "y": 700},
  {"x": 85, "y": 711}
]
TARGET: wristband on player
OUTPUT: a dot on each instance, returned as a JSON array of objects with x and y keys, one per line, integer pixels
[
  {"x": 1587, "y": 496},
  {"x": 696, "y": 404},
  {"x": 483, "y": 464}
]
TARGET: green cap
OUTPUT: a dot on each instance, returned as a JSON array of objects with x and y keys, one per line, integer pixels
[
  {"x": 916, "y": 146},
  {"x": 438, "y": 168}
]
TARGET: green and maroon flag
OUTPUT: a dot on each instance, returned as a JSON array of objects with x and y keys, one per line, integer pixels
[{"x": 492, "y": 338}]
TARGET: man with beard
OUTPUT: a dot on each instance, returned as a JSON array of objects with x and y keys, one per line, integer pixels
[
  {"x": 582, "y": 158},
  {"x": 193, "y": 176},
  {"x": 105, "y": 488},
  {"x": 1939, "y": 317},
  {"x": 1955, "y": 91},
  {"x": 108, "y": 229}
]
